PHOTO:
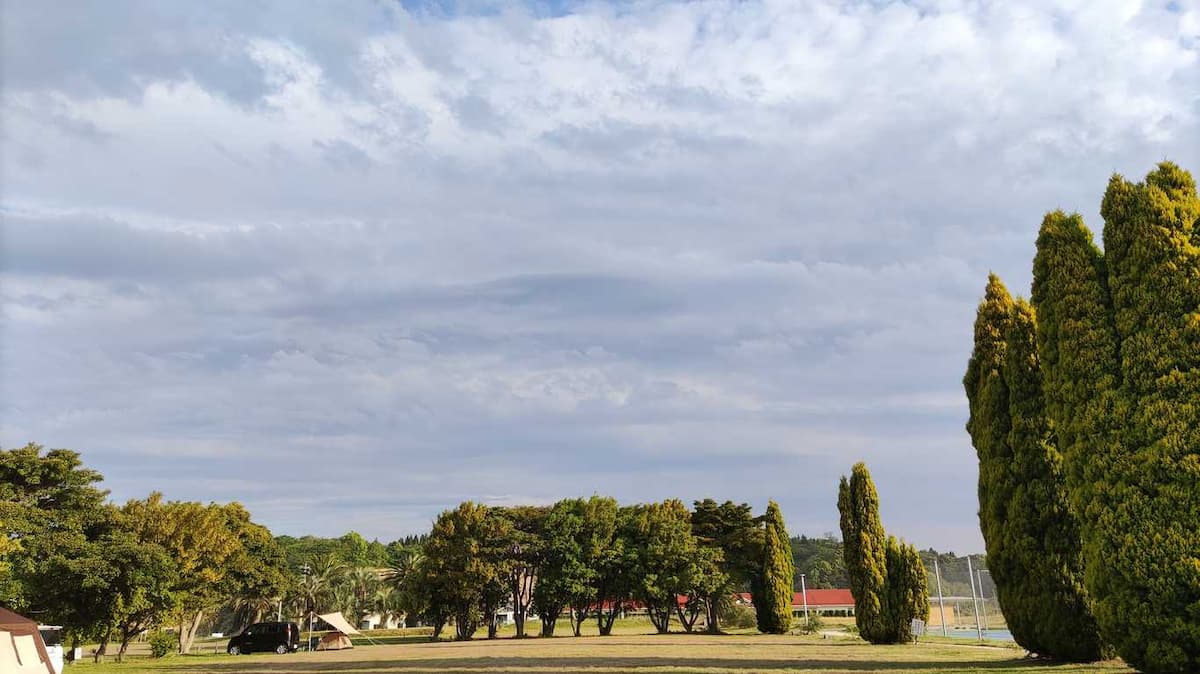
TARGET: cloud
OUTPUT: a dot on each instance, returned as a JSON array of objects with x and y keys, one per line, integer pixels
[{"x": 396, "y": 256}]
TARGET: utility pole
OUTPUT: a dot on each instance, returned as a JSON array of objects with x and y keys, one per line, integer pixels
[
  {"x": 941, "y": 603},
  {"x": 974, "y": 601},
  {"x": 305, "y": 570},
  {"x": 804, "y": 593}
]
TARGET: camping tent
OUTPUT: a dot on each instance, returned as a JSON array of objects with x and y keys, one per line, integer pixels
[
  {"x": 337, "y": 639},
  {"x": 21, "y": 647},
  {"x": 334, "y": 641}
]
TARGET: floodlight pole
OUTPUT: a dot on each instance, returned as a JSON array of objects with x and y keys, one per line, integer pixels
[
  {"x": 941, "y": 602},
  {"x": 974, "y": 602},
  {"x": 982, "y": 600},
  {"x": 804, "y": 594}
]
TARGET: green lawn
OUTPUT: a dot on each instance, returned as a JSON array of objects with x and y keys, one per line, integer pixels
[{"x": 620, "y": 653}]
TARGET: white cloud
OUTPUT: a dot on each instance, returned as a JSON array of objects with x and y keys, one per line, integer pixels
[{"x": 640, "y": 250}]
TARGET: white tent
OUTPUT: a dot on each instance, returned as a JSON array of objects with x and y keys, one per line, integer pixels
[{"x": 338, "y": 622}]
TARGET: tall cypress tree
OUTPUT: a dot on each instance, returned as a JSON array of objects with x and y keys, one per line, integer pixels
[
  {"x": 1031, "y": 538},
  {"x": 775, "y": 613},
  {"x": 864, "y": 548},
  {"x": 1124, "y": 334},
  {"x": 907, "y": 590}
]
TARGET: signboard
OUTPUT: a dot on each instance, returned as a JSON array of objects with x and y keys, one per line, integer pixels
[{"x": 917, "y": 628}]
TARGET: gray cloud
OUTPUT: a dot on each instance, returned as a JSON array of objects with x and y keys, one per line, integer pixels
[{"x": 396, "y": 257}]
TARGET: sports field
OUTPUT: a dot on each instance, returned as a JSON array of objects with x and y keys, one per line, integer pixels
[{"x": 624, "y": 653}]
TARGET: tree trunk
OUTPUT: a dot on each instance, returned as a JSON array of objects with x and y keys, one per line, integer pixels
[
  {"x": 438, "y": 625},
  {"x": 549, "y": 621},
  {"x": 660, "y": 617},
  {"x": 605, "y": 619},
  {"x": 125, "y": 637},
  {"x": 712, "y": 608},
  {"x": 688, "y": 615},
  {"x": 187, "y": 632},
  {"x": 578, "y": 615},
  {"x": 102, "y": 649}
]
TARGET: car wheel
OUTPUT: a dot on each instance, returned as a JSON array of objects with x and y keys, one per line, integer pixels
[
  {"x": 281, "y": 649},
  {"x": 234, "y": 650}
]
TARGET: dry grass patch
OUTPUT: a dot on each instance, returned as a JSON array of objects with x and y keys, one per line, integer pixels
[{"x": 673, "y": 653}]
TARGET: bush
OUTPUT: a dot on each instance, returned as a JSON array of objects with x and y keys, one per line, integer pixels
[
  {"x": 162, "y": 643},
  {"x": 813, "y": 625},
  {"x": 738, "y": 616}
]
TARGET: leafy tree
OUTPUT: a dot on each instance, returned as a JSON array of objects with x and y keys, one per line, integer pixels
[
  {"x": 664, "y": 550},
  {"x": 526, "y": 555},
  {"x": 774, "y": 603},
  {"x": 598, "y": 526},
  {"x": 257, "y": 574},
  {"x": 201, "y": 540},
  {"x": 821, "y": 560},
  {"x": 866, "y": 553},
  {"x": 1117, "y": 333},
  {"x": 732, "y": 530},
  {"x": 1032, "y": 538},
  {"x": 48, "y": 505},
  {"x": 568, "y": 570},
  {"x": 461, "y": 557},
  {"x": 615, "y": 567}
]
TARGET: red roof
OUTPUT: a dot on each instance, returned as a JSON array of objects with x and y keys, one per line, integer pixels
[{"x": 816, "y": 598}]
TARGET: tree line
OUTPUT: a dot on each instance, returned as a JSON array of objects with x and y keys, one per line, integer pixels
[
  {"x": 584, "y": 559},
  {"x": 1085, "y": 415}
]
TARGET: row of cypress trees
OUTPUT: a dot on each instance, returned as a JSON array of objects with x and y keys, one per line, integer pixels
[
  {"x": 1085, "y": 414},
  {"x": 887, "y": 577}
]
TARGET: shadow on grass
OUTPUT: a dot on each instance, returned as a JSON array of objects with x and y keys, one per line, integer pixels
[{"x": 588, "y": 665}]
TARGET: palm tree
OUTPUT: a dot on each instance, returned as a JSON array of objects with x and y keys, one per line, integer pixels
[{"x": 362, "y": 583}]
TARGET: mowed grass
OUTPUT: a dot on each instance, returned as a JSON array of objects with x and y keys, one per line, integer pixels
[{"x": 671, "y": 653}]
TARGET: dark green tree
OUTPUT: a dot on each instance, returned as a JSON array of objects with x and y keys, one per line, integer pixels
[
  {"x": 1119, "y": 336},
  {"x": 907, "y": 595},
  {"x": 1031, "y": 537},
  {"x": 615, "y": 565},
  {"x": 865, "y": 548},
  {"x": 664, "y": 556},
  {"x": 731, "y": 529},
  {"x": 774, "y": 603}
]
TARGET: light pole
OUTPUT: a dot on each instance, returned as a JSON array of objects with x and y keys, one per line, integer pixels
[
  {"x": 941, "y": 603},
  {"x": 974, "y": 603},
  {"x": 804, "y": 594},
  {"x": 982, "y": 600}
]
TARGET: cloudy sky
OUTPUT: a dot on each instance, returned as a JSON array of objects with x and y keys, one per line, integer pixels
[{"x": 352, "y": 263}]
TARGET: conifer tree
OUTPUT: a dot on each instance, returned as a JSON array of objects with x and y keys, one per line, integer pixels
[
  {"x": 1121, "y": 340},
  {"x": 907, "y": 594},
  {"x": 864, "y": 548},
  {"x": 1031, "y": 538},
  {"x": 775, "y": 614}
]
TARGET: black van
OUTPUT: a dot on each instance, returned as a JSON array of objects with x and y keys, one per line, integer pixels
[{"x": 266, "y": 637}]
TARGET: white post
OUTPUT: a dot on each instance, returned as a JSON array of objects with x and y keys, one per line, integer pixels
[
  {"x": 941, "y": 602},
  {"x": 974, "y": 601},
  {"x": 279, "y": 612},
  {"x": 804, "y": 593}
]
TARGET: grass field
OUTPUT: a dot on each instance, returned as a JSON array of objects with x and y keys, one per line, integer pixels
[{"x": 622, "y": 653}]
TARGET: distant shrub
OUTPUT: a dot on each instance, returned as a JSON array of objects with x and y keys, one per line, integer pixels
[
  {"x": 813, "y": 625},
  {"x": 738, "y": 616},
  {"x": 162, "y": 643}
]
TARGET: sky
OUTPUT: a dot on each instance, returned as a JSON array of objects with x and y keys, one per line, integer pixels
[{"x": 353, "y": 263}]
